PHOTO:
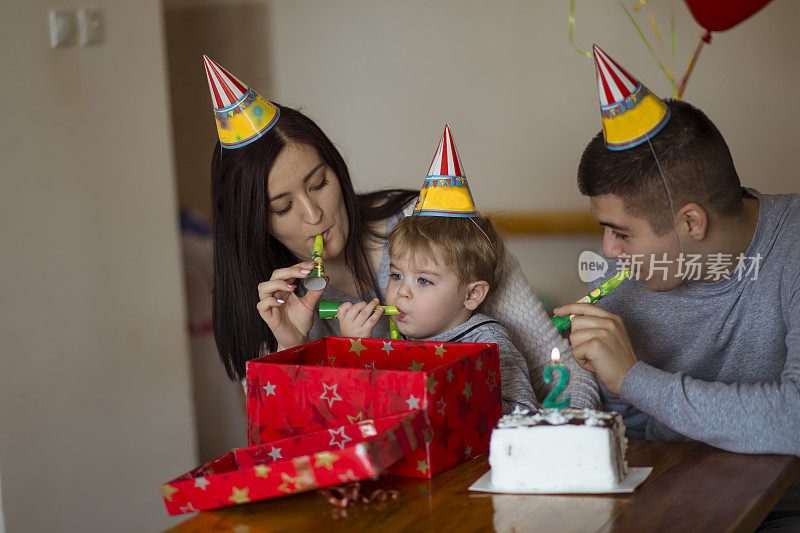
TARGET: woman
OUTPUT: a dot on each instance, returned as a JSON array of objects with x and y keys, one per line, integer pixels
[
  {"x": 273, "y": 195},
  {"x": 263, "y": 226}
]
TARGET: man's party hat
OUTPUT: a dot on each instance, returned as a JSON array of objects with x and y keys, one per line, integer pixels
[
  {"x": 242, "y": 115},
  {"x": 631, "y": 113}
]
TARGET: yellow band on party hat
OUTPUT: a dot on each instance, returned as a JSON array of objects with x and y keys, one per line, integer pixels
[
  {"x": 242, "y": 116},
  {"x": 445, "y": 192},
  {"x": 631, "y": 114}
]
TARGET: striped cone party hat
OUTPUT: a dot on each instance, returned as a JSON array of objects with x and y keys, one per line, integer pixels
[
  {"x": 630, "y": 112},
  {"x": 242, "y": 115},
  {"x": 445, "y": 192}
]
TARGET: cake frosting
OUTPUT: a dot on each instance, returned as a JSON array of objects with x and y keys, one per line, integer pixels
[{"x": 558, "y": 450}]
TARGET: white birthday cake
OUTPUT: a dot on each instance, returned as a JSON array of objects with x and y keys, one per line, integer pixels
[{"x": 558, "y": 450}]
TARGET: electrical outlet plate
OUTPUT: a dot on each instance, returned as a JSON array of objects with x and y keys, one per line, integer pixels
[
  {"x": 91, "y": 26},
  {"x": 62, "y": 28}
]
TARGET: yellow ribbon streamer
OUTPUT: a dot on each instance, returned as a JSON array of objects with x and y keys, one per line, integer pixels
[
  {"x": 571, "y": 26},
  {"x": 666, "y": 72}
]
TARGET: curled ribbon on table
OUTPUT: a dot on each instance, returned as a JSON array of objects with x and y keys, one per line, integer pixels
[{"x": 343, "y": 496}]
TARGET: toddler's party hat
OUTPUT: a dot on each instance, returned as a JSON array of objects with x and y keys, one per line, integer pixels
[
  {"x": 445, "y": 192},
  {"x": 631, "y": 113},
  {"x": 242, "y": 115}
]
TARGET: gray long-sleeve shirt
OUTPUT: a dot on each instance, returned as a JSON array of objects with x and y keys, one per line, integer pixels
[{"x": 719, "y": 362}]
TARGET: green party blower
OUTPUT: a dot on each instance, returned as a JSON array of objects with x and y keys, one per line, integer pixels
[
  {"x": 328, "y": 309},
  {"x": 562, "y": 322},
  {"x": 315, "y": 281}
]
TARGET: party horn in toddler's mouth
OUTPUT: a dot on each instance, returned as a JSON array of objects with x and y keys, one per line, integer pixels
[
  {"x": 315, "y": 281},
  {"x": 563, "y": 322},
  {"x": 329, "y": 309}
]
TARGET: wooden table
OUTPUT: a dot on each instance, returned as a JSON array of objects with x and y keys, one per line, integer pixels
[{"x": 693, "y": 487}]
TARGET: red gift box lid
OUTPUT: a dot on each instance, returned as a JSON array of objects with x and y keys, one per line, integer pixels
[{"x": 295, "y": 464}]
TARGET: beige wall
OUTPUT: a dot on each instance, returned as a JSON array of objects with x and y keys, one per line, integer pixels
[{"x": 95, "y": 408}]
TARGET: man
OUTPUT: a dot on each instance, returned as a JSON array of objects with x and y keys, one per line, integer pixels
[{"x": 705, "y": 343}]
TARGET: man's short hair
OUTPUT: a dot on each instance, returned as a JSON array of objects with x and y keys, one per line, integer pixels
[
  {"x": 694, "y": 157},
  {"x": 455, "y": 242}
]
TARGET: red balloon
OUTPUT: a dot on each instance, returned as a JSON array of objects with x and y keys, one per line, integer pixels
[{"x": 721, "y": 15}]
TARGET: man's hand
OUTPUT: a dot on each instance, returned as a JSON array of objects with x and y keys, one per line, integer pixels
[{"x": 600, "y": 343}]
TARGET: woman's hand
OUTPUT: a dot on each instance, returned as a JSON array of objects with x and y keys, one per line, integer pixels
[
  {"x": 289, "y": 317},
  {"x": 357, "y": 320}
]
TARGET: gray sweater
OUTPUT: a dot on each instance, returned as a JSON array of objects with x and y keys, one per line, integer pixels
[{"x": 719, "y": 362}]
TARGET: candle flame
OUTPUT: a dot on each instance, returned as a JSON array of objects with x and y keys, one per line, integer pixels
[{"x": 555, "y": 355}]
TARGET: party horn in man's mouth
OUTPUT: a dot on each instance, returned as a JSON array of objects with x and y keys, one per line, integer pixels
[
  {"x": 563, "y": 322},
  {"x": 329, "y": 309},
  {"x": 315, "y": 281}
]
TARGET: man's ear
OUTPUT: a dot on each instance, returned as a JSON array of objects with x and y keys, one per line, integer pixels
[
  {"x": 693, "y": 221},
  {"x": 476, "y": 294}
]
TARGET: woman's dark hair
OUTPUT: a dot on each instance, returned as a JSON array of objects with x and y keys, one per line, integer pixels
[
  {"x": 694, "y": 157},
  {"x": 245, "y": 253}
]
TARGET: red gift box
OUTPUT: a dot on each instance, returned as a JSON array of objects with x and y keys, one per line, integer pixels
[
  {"x": 338, "y": 380},
  {"x": 296, "y": 464}
]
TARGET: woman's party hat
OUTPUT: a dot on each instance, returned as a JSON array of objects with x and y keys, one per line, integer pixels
[
  {"x": 242, "y": 115},
  {"x": 445, "y": 192},
  {"x": 631, "y": 113}
]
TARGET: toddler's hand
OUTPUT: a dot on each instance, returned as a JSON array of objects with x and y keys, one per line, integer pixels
[{"x": 357, "y": 320}]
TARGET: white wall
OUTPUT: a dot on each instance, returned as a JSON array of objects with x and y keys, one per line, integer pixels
[{"x": 95, "y": 408}]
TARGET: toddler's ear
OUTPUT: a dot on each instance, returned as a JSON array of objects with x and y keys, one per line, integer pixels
[{"x": 477, "y": 291}]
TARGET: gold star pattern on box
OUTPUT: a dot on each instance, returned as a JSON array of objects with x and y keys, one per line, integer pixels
[
  {"x": 348, "y": 476},
  {"x": 431, "y": 382},
  {"x": 441, "y": 350},
  {"x": 358, "y": 418},
  {"x": 467, "y": 390},
  {"x": 167, "y": 491},
  {"x": 415, "y": 367},
  {"x": 356, "y": 346},
  {"x": 491, "y": 380},
  {"x": 442, "y": 406},
  {"x": 325, "y": 459},
  {"x": 262, "y": 470},
  {"x": 287, "y": 480},
  {"x": 240, "y": 495}
]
